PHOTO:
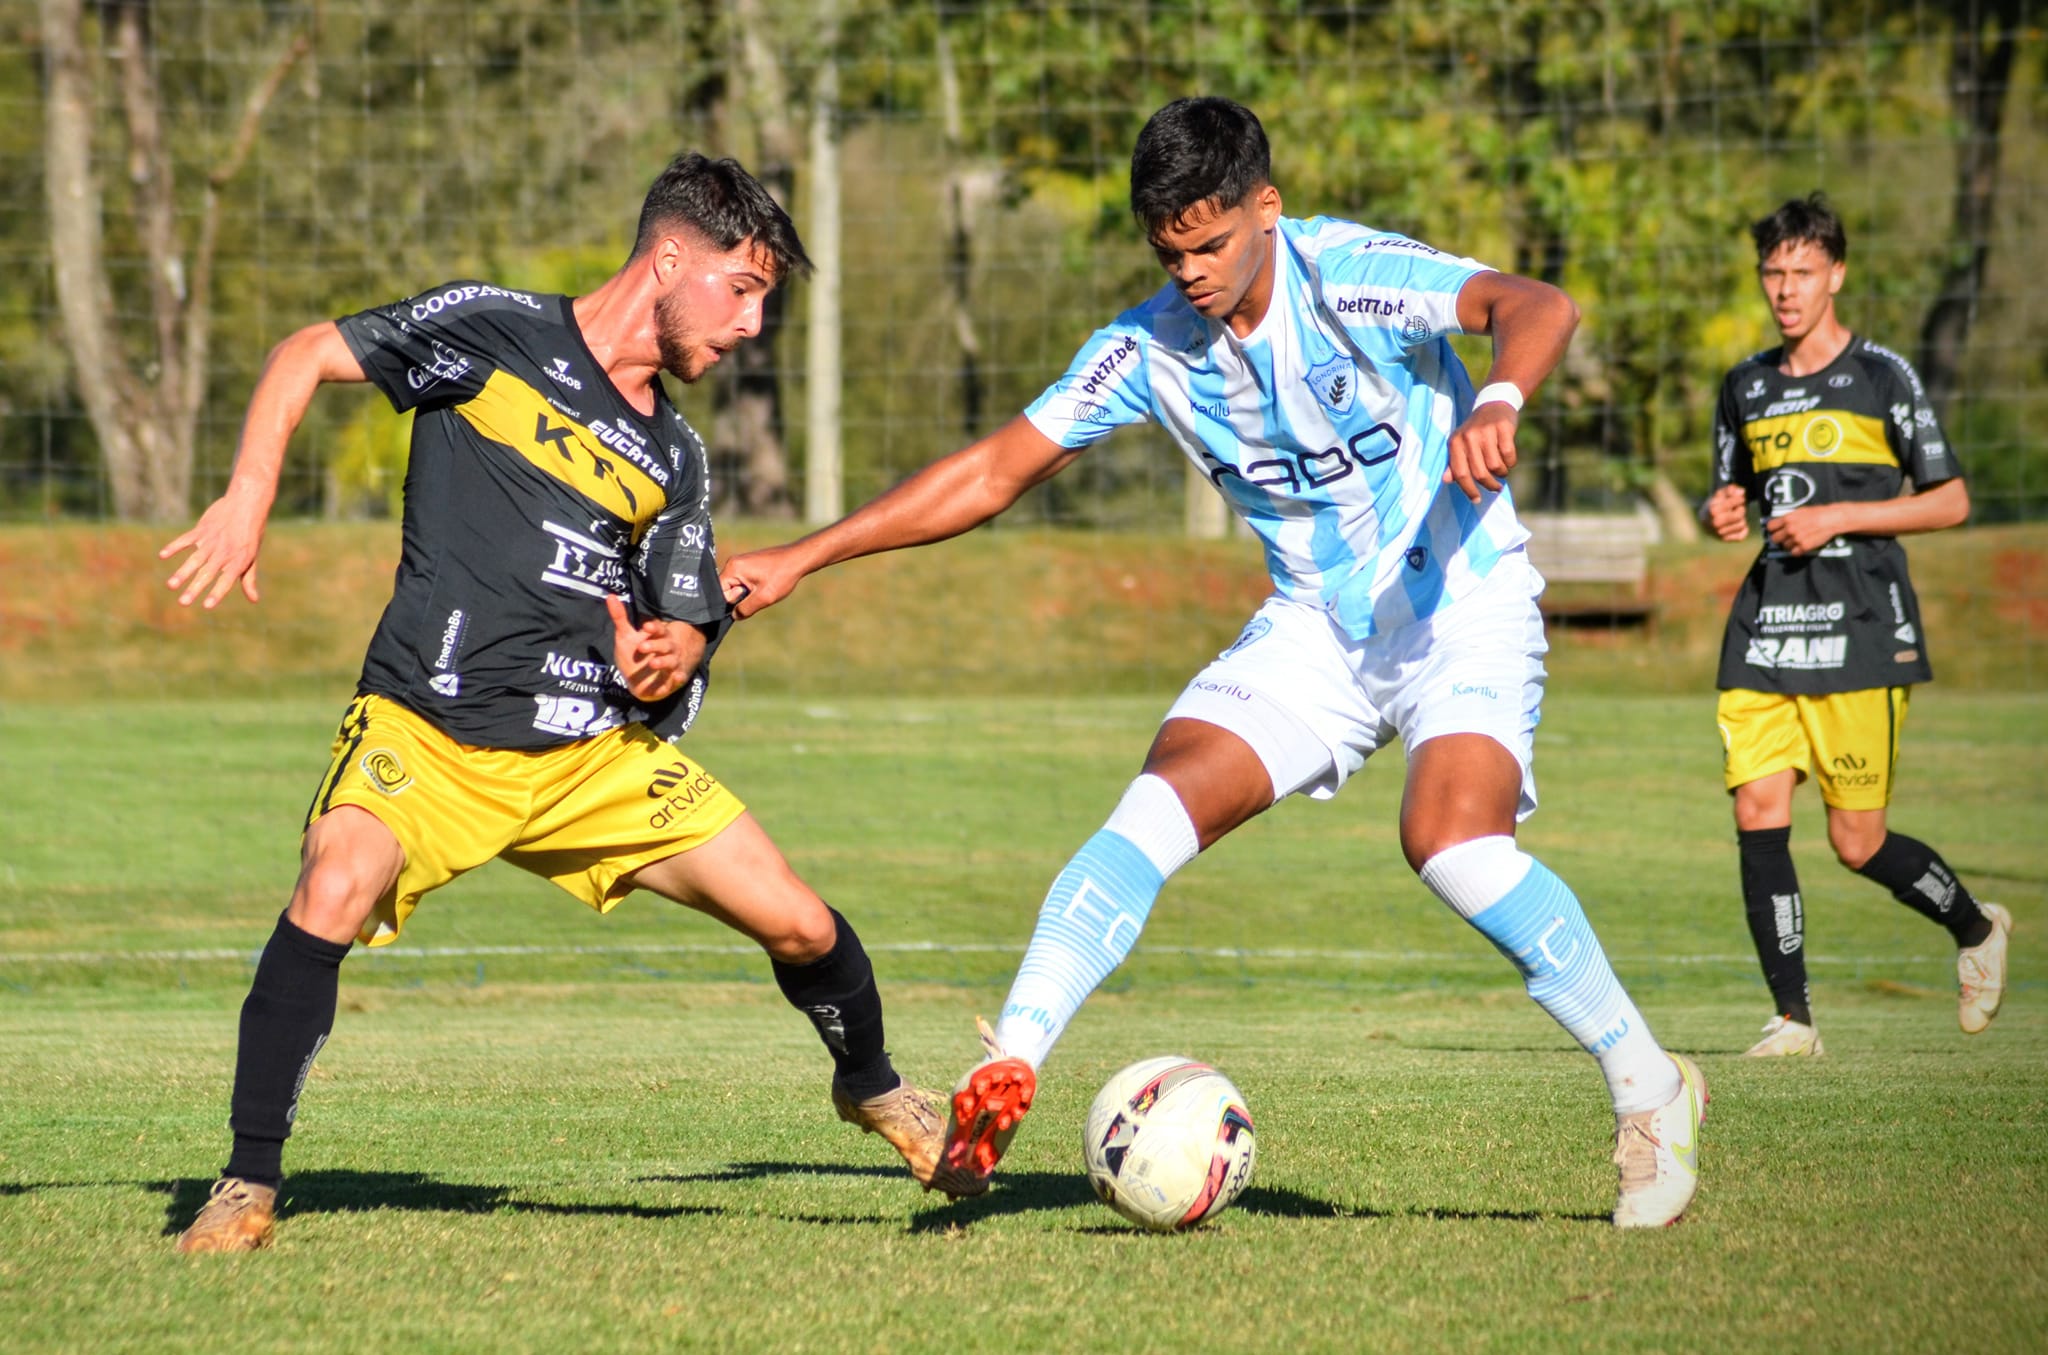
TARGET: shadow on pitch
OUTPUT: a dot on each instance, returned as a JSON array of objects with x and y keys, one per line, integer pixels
[
  {"x": 348, "y": 1192},
  {"x": 1027, "y": 1192},
  {"x": 759, "y": 1171}
]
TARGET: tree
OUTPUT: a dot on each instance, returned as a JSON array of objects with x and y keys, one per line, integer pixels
[
  {"x": 144, "y": 405},
  {"x": 1979, "y": 75}
]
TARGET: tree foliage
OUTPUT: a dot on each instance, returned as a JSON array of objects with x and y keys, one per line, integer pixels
[{"x": 1617, "y": 148}]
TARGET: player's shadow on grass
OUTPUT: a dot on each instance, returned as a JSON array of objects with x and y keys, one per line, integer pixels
[
  {"x": 1025, "y": 1192},
  {"x": 759, "y": 1171},
  {"x": 345, "y": 1192}
]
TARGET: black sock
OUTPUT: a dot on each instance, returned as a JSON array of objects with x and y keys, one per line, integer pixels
[
  {"x": 1777, "y": 917},
  {"x": 285, "y": 1019},
  {"x": 1917, "y": 877},
  {"x": 838, "y": 993}
]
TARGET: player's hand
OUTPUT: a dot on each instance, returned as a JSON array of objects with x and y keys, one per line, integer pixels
[
  {"x": 1483, "y": 449},
  {"x": 1728, "y": 512},
  {"x": 224, "y": 543},
  {"x": 759, "y": 579},
  {"x": 1804, "y": 530},
  {"x": 655, "y": 657}
]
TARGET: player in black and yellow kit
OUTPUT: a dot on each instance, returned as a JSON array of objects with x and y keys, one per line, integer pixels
[
  {"x": 549, "y": 634},
  {"x": 1824, "y": 642}
]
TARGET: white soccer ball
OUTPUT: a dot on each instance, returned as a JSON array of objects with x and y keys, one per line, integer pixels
[{"x": 1169, "y": 1143}]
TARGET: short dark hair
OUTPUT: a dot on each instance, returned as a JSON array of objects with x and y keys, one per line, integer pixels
[
  {"x": 723, "y": 203},
  {"x": 1195, "y": 151},
  {"x": 1807, "y": 219}
]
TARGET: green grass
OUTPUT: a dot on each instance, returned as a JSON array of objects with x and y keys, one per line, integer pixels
[{"x": 537, "y": 1129}]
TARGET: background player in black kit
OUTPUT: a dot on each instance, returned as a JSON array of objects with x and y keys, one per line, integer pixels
[
  {"x": 510, "y": 705},
  {"x": 1824, "y": 640}
]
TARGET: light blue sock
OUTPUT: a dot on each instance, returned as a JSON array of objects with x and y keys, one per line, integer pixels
[
  {"x": 1090, "y": 920},
  {"x": 1539, "y": 925}
]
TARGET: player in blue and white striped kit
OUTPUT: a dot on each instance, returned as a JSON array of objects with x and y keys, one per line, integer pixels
[{"x": 1304, "y": 366}]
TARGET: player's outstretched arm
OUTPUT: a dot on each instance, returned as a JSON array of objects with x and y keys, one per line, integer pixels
[
  {"x": 225, "y": 540},
  {"x": 1531, "y": 323},
  {"x": 951, "y": 495}
]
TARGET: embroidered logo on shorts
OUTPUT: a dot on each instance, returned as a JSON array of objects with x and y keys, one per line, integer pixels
[
  {"x": 385, "y": 771},
  {"x": 1254, "y": 630}
]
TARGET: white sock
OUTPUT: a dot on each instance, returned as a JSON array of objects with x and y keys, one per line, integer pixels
[
  {"x": 1093, "y": 914},
  {"x": 1535, "y": 920}
]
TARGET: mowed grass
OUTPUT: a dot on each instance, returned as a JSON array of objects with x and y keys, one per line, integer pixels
[{"x": 538, "y": 1129}]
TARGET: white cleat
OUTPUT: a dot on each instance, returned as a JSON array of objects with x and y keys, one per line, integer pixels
[
  {"x": 1658, "y": 1154},
  {"x": 1980, "y": 972},
  {"x": 1786, "y": 1038}
]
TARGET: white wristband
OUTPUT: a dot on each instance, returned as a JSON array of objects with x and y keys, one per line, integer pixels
[{"x": 1499, "y": 393}]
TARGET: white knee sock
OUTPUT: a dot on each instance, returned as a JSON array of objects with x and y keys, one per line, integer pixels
[
  {"x": 1535, "y": 920},
  {"x": 1093, "y": 913}
]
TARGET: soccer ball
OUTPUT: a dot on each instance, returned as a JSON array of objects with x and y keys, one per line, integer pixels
[{"x": 1169, "y": 1143}]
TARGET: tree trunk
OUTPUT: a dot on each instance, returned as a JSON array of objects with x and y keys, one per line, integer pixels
[
  {"x": 77, "y": 251},
  {"x": 824, "y": 478},
  {"x": 960, "y": 254},
  {"x": 747, "y": 418},
  {"x": 1978, "y": 79},
  {"x": 146, "y": 422}
]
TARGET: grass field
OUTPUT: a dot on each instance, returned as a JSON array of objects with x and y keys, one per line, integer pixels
[{"x": 538, "y": 1129}]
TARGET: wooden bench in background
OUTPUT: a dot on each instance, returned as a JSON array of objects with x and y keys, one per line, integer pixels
[{"x": 1597, "y": 566}]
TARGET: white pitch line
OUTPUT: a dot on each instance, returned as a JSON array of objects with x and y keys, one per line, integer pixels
[{"x": 107, "y": 957}]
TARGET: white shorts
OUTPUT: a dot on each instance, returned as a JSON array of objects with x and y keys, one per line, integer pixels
[{"x": 1314, "y": 703}]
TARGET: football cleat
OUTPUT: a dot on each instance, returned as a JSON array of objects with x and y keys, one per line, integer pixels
[
  {"x": 1786, "y": 1038},
  {"x": 988, "y": 1102},
  {"x": 908, "y": 1118},
  {"x": 1658, "y": 1154},
  {"x": 1980, "y": 973},
  {"x": 239, "y": 1216}
]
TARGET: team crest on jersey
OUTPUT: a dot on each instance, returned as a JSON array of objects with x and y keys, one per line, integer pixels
[{"x": 1335, "y": 383}]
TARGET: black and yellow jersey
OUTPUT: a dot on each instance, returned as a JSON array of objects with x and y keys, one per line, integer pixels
[
  {"x": 1843, "y": 618},
  {"x": 533, "y": 489}
]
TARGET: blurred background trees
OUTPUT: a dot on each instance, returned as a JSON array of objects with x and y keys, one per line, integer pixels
[{"x": 193, "y": 181}]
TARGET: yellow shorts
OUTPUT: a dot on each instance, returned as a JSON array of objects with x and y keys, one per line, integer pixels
[
  {"x": 583, "y": 815},
  {"x": 1850, "y": 740}
]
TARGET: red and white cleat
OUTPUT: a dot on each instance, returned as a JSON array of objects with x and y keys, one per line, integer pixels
[{"x": 988, "y": 1103}]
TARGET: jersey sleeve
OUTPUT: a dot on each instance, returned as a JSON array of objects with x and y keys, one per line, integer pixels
[
  {"x": 1731, "y": 454},
  {"x": 1104, "y": 388},
  {"x": 427, "y": 349},
  {"x": 675, "y": 568},
  {"x": 1393, "y": 294},
  {"x": 1910, "y": 424},
  {"x": 675, "y": 577}
]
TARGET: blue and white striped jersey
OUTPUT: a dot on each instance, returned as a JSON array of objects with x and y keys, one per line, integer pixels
[{"x": 1327, "y": 429}]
